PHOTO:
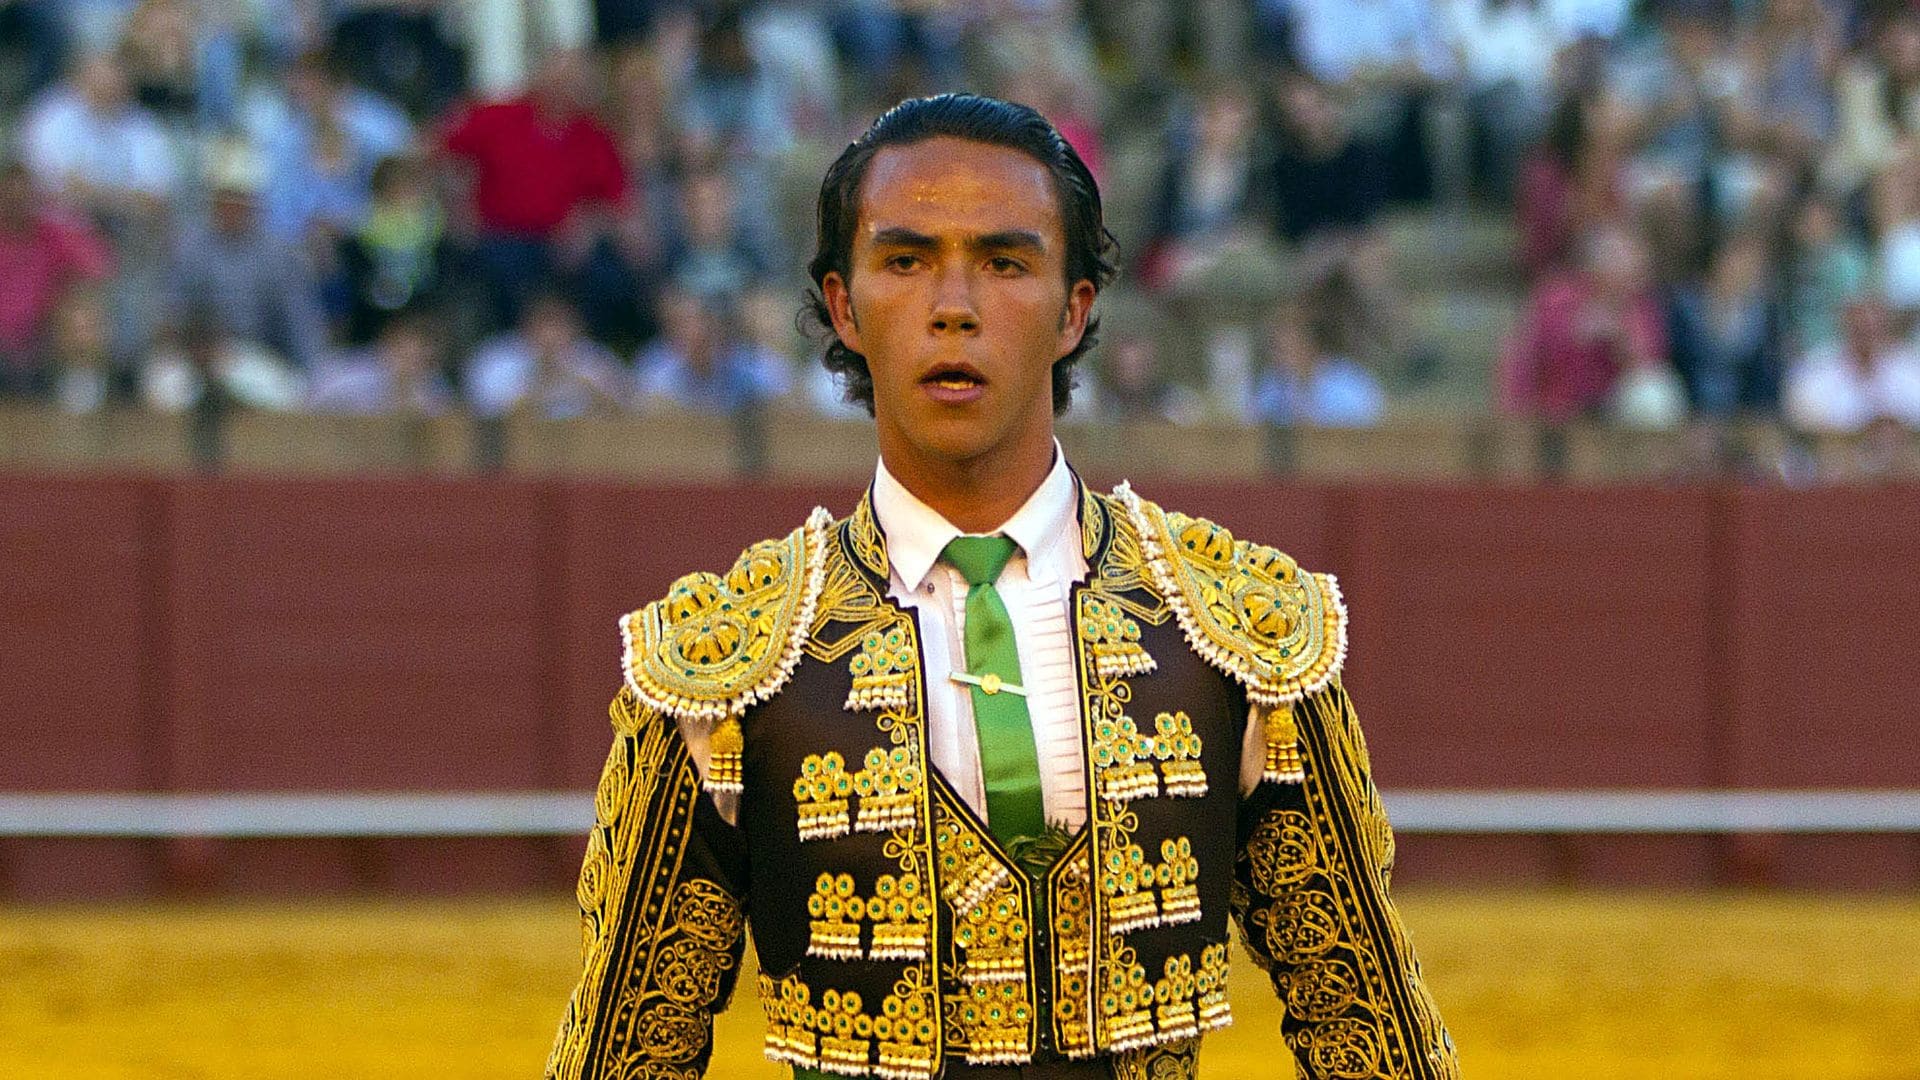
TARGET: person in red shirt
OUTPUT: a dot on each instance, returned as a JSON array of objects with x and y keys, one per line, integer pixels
[
  {"x": 45, "y": 256},
  {"x": 1581, "y": 331},
  {"x": 546, "y": 180}
]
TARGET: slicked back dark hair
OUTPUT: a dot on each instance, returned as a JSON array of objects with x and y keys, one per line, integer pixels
[{"x": 1089, "y": 244}]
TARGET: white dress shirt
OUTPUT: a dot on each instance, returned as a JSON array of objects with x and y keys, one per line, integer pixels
[{"x": 1036, "y": 587}]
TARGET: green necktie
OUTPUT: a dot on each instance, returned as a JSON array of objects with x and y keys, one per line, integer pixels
[{"x": 1007, "y": 757}]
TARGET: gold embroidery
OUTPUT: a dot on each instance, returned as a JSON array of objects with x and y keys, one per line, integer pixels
[
  {"x": 1071, "y": 903},
  {"x": 1315, "y": 907},
  {"x": 889, "y": 789},
  {"x": 821, "y": 793},
  {"x": 883, "y": 671},
  {"x": 1174, "y": 1061},
  {"x": 1283, "y": 746},
  {"x": 1246, "y": 608},
  {"x": 898, "y": 909},
  {"x": 716, "y": 645},
  {"x": 653, "y": 974},
  {"x": 726, "y": 767},
  {"x": 1127, "y": 1011},
  {"x": 1122, "y": 756},
  {"x": 839, "y": 1035},
  {"x": 1178, "y": 750},
  {"x": 1211, "y": 988},
  {"x": 1113, "y": 636},
  {"x": 996, "y": 1022}
]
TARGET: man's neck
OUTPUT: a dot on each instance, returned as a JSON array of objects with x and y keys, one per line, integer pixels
[{"x": 978, "y": 495}]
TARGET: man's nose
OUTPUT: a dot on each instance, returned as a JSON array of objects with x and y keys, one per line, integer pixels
[{"x": 953, "y": 310}]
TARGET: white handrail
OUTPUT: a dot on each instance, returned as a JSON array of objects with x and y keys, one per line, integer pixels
[{"x": 569, "y": 813}]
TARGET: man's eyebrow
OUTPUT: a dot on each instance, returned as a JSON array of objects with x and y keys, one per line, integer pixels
[
  {"x": 1025, "y": 239},
  {"x": 901, "y": 236}
]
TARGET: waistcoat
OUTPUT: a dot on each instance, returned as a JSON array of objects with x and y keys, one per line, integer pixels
[{"x": 893, "y": 931}]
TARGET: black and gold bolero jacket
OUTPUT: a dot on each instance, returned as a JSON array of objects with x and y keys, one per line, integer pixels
[{"x": 893, "y": 932}]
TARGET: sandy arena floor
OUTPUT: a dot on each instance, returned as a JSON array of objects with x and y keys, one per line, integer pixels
[{"x": 1533, "y": 985}]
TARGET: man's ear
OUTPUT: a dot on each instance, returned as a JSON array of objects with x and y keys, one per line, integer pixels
[
  {"x": 833, "y": 289},
  {"x": 1073, "y": 320}
]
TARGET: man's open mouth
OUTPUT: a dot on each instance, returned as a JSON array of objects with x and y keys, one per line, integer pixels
[{"x": 955, "y": 377}]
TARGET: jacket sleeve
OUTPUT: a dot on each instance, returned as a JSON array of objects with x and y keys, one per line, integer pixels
[
  {"x": 1310, "y": 896},
  {"x": 662, "y": 901}
]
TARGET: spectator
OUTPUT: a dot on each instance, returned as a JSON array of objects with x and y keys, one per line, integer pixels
[
  {"x": 1877, "y": 106},
  {"x": 88, "y": 141},
  {"x": 547, "y": 186},
  {"x": 713, "y": 256},
  {"x": 46, "y": 255},
  {"x": 36, "y": 32},
  {"x": 1327, "y": 187},
  {"x": 1303, "y": 384},
  {"x": 1390, "y": 60},
  {"x": 321, "y": 139},
  {"x": 200, "y": 364},
  {"x": 1574, "y": 175},
  {"x": 1865, "y": 378},
  {"x": 399, "y": 256},
  {"x": 732, "y": 107},
  {"x": 398, "y": 374},
  {"x": 1505, "y": 54},
  {"x": 1327, "y": 182},
  {"x": 261, "y": 291},
  {"x": 701, "y": 365},
  {"x": 1725, "y": 332},
  {"x": 79, "y": 353},
  {"x": 1206, "y": 197},
  {"x": 1581, "y": 330},
  {"x": 1828, "y": 268},
  {"x": 1130, "y": 385},
  {"x": 401, "y": 50},
  {"x": 547, "y": 369}
]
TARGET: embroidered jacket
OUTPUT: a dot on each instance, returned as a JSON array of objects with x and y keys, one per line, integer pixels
[{"x": 893, "y": 932}]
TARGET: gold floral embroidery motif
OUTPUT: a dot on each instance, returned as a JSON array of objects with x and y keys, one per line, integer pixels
[
  {"x": 968, "y": 871},
  {"x": 996, "y": 1020},
  {"x": 883, "y": 671},
  {"x": 889, "y": 788},
  {"x": 1178, "y": 750},
  {"x": 1122, "y": 756},
  {"x": 1071, "y": 904},
  {"x": 716, "y": 645},
  {"x": 992, "y": 1018},
  {"x": 898, "y": 910},
  {"x": 1246, "y": 608},
  {"x": 1142, "y": 894},
  {"x": 839, "y": 1035},
  {"x": 1174, "y": 995},
  {"x": 821, "y": 792},
  {"x": 1113, "y": 637},
  {"x": 1211, "y": 988},
  {"x": 1126, "y": 1003}
]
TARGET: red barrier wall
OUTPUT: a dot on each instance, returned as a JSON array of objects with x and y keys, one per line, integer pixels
[{"x": 250, "y": 634}]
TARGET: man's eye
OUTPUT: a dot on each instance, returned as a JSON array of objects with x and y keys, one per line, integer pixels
[
  {"x": 1001, "y": 264},
  {"x": 902, "y": 262}
]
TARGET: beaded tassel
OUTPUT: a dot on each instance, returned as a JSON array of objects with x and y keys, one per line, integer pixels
[
  {"x": 725, "y": 773},
  {"x": 1283, "y": 747}
]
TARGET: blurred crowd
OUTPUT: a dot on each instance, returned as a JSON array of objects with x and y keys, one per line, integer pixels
[{"x": 561, "y": 207}]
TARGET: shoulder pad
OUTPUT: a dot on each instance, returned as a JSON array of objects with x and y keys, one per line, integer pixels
[
  {"x": 715, "y": 645},
  {"x": 1248, "y": 609}
]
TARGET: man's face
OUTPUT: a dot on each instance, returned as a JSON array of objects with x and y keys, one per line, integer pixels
[{"x": 958, "y": 298}]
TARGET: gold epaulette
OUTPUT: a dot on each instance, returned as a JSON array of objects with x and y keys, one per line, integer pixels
[
  {"x": 715, "y": 645},
  {"x": 1247, "y": 609}
]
